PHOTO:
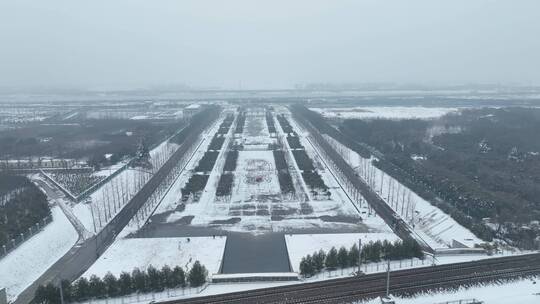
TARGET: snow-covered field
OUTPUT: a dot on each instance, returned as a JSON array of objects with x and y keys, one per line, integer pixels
[
  {"x": 300, "y": 245},
  {"x": 526, "y": 291},
  {"x": 172, "y": 199},
  {"x": 339, "y": 196},
  {"x": 434, "y": 226},
  {"x": 106, "y": 171},
  {"x": 129, "y": 253},
  {"x": 255, "y": 176},
  {"x": 384, "y": 112},
  {"x": 109, "y": 199},
  {"x": 256, "y": 203},
  {"x": 30, "y": 260},
  {"x": 256, "y": 130}
]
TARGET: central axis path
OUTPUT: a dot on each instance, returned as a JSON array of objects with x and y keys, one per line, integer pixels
[{"x": 249, "y": 253}]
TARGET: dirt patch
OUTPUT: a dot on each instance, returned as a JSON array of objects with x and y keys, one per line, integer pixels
[
  {"x": 185, "y": 220},
  {"x": 340, "y": 219},
  {"x": 248, "y": 207},
  {"x": 283, "y": 211},
  {"x": 263, "y": 212},
  {"x": 180, "y": 208},
  {"x": 305, "y": 209},
  {"x": 233, "y": 220}
]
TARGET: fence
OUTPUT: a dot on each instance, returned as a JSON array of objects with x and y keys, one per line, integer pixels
[
  {"x": 464, "y": 301},
  {"x": 5, "y": 249},
  {"x": 372, "y": 268},
  {"x": 88, "y": 191},
  {"x": 148, "y": 297}
]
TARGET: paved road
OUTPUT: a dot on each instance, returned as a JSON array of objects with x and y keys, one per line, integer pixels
[
  {"x": 55, "y": 194},
  {"x": 248, "y": 253},
  {"x": 51, "y": 192}
]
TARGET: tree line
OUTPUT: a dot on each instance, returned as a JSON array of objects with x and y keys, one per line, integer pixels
[
  {"x": 478, "y": 165},
  {"x": 138, "y": 281},
  {"x": 22, "y": 206},
  {"x": 371, "y": 252}
]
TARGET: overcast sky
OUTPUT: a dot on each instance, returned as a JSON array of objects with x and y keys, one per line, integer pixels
[{"x": 267, "y": 44}]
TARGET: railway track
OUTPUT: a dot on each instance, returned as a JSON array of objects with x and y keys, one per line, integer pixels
[{"x": 370, "y": 286}]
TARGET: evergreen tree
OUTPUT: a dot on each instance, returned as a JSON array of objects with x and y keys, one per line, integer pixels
[
  {"x": 48, "y": 294},
  {"x": 318, "y": 260},
  {"x": 41, "y": 295},
  {"x": 179, "y": 277},
  {"x": 138, "y": 278},
  {"x": 343, "y": 257},
  {"x": 376, "y": 251},
  {"x": 125, "y": 284},
  {"x": 167, "y": 278},
  {"x": 154, "y": 279},
  {"x": 82, "y": 289},
  {"x": 304, "y": 267},
  {"x": 310, "y": 265},
  {"x": 197, "y": 275},
  {"x": 97, "y": 288},
  {"x": 111, "y": 284},
  {"x": 67, "y": 290},
  {"x": 331, "y": 258},
  {"x": 142, "y": 156},
  {"x": 387, "y": 250},
  {"x": 353, "y": 255}
]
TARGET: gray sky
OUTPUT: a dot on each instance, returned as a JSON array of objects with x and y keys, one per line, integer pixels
[{"x": 267, "y": 44}]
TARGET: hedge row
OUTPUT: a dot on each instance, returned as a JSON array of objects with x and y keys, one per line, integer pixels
[
  {"x": 225, "y": 184},
  {"x": 371, "y": 252},
  {"x": 151, "y": 280}
]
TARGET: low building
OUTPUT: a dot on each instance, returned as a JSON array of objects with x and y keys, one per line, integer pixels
[{"x": 191, "y": 110}]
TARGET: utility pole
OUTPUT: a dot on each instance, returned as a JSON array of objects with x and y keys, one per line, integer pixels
[
  {"x": 359, "y": 254},
  {"x": 61, "y": 293},
  {"x": 388, "y": 279},
  {"x": 93, "y": 216}
]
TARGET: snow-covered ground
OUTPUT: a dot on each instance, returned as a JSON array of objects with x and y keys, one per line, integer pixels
[
  {"x": 526, "y": 291},
  {"x": 129, "y": 253},
  {"x": 106, "y": 171},
  {"x": 172, "y": 199},
  {"x": 256, "y": 204},
  {"x": 30, "y": 260},
  {"x": 110, "y": 198},
  {"x": 300, "y": 245},
  {"x": 434, "y": 226},
  {"x": 339, "y": 196},
  {"x": 255, "y": 176},
  {"x": 384, "y": 112}
]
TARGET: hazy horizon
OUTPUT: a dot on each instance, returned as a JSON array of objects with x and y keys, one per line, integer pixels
[{"x": 267, "y": 45}]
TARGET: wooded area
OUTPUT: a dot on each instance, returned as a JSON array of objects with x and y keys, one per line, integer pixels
[
  {"x": 481, "y": 166},
  {"x": 22, "y": 205}
]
